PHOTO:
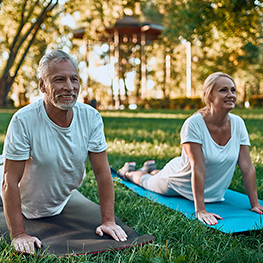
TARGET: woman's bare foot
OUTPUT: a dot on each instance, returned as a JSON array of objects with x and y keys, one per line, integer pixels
[{"x": 127, "y": 167}]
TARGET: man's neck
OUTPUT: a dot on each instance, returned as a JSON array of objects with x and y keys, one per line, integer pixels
[{"x": 60, "y": 117}]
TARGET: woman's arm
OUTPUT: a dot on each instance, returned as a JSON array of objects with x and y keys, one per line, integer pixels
[
  {"x": 249, "y": 178},
  {"x": 194, "y": 153}
]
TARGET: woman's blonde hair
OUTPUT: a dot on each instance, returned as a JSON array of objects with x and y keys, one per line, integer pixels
[{"x": 209, "y": 85}]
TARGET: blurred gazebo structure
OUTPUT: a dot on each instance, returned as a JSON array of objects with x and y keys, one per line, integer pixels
[{"x": 128, "y": 30}]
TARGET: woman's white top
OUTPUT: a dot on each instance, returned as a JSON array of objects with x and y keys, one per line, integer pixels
[{"x": 220, "y": 161}]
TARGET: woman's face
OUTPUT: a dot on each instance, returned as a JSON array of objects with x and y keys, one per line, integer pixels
[{"x": 223, "y": 95}]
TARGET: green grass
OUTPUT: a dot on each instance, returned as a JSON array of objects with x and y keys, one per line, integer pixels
[{"x": 142, "y": 135}]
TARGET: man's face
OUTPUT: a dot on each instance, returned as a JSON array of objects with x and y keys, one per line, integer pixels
[{"x": 62, "y": 86}]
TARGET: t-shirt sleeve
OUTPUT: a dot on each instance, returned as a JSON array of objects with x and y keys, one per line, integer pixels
[
  {"x": 16, "y": 146},
  {"x": 191, "y": 131},
  {"x": 97, "y": 141}
]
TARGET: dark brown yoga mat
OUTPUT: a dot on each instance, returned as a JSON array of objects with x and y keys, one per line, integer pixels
[{"x": 73, "y": 231}]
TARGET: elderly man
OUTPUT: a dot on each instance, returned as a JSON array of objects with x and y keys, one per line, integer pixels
[{"x": 46, "y": 148}]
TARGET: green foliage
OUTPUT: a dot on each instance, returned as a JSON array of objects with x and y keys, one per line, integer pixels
[
  {"x": 178, "y": 103},
  {"x": 256, "y": 100},
  {"x": 225, "y": 35},
  {"x": 191, "y": 19},
  {"x": 27, "y": 27},
  {"x": 154, "y": 134},
  {"x": 5, "y": 117}
]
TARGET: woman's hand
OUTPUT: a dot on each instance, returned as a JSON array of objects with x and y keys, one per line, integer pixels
[
  {"x": 258, "y": 209},
  {"x": 207, "y": 218}
]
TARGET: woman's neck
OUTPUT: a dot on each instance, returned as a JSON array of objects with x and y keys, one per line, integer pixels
[{"x": 216, "y": 118}]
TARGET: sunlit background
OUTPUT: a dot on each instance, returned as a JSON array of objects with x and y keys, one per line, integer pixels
[{"x": 134, "y": 54}]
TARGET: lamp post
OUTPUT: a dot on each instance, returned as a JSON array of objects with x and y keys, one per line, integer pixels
[
  {"x": 187, "y": 44},
  {"x": 188, "y": 70}
]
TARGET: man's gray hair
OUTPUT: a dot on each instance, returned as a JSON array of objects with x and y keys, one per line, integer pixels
[{"x": 57, "y": 56}]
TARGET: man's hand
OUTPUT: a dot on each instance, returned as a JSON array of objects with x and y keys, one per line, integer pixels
[
  {"x": 25, "y": 243},
  {"x": 207, "y": 218},
  {"x": 110, "y": 228}
]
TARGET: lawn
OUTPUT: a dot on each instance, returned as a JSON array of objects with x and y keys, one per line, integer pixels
[{"x": 141, "y": 135}]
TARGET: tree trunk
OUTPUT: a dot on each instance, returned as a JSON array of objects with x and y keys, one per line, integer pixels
[{"x": 7, "y": 80}]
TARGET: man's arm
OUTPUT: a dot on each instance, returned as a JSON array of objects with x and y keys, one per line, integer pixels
[
  {"x": 13, "y": 171},
  {"x": 101, "y": 169}
]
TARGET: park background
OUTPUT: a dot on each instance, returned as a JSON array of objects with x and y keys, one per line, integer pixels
[
  {"x": 144, "y": 90},
  {"x": 144, "y": 54}
]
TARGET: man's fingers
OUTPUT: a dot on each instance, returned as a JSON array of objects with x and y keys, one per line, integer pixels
[
  {"x": 29, "y": 248},
  {"x": 121, "y": 233},
  {"x": 99, "y": 231},
  {"x": 26, "y": 244},
  {"x": 113, "y": 234},
  {"x": 38, "y": 243},
  {"x": 16, "y": 246},
  {"x": 110, "y": 232},
  {"x": 24, "y": 247}
]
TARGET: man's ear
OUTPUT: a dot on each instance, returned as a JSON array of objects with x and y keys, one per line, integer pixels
[{"x": 42, "y": 85}]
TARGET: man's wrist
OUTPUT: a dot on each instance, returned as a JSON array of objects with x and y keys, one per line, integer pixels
[{"x": 18, "y": 234}]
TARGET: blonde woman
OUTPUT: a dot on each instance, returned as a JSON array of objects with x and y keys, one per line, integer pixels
[{"x": 214, "y": 141}]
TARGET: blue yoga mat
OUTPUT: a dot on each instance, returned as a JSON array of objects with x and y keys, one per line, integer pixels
[{"x": 235, "y": 210}]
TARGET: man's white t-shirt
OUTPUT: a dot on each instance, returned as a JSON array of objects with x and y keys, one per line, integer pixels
[
  {"x": 220, "y": 161},
  {"x": 56, "y": 156}
]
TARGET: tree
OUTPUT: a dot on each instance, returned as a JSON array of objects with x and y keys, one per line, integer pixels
[
  {"x": 20, "y": 35},
  {"x": 197, "y": 19},
  {"x": 225, "y": 35}
]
